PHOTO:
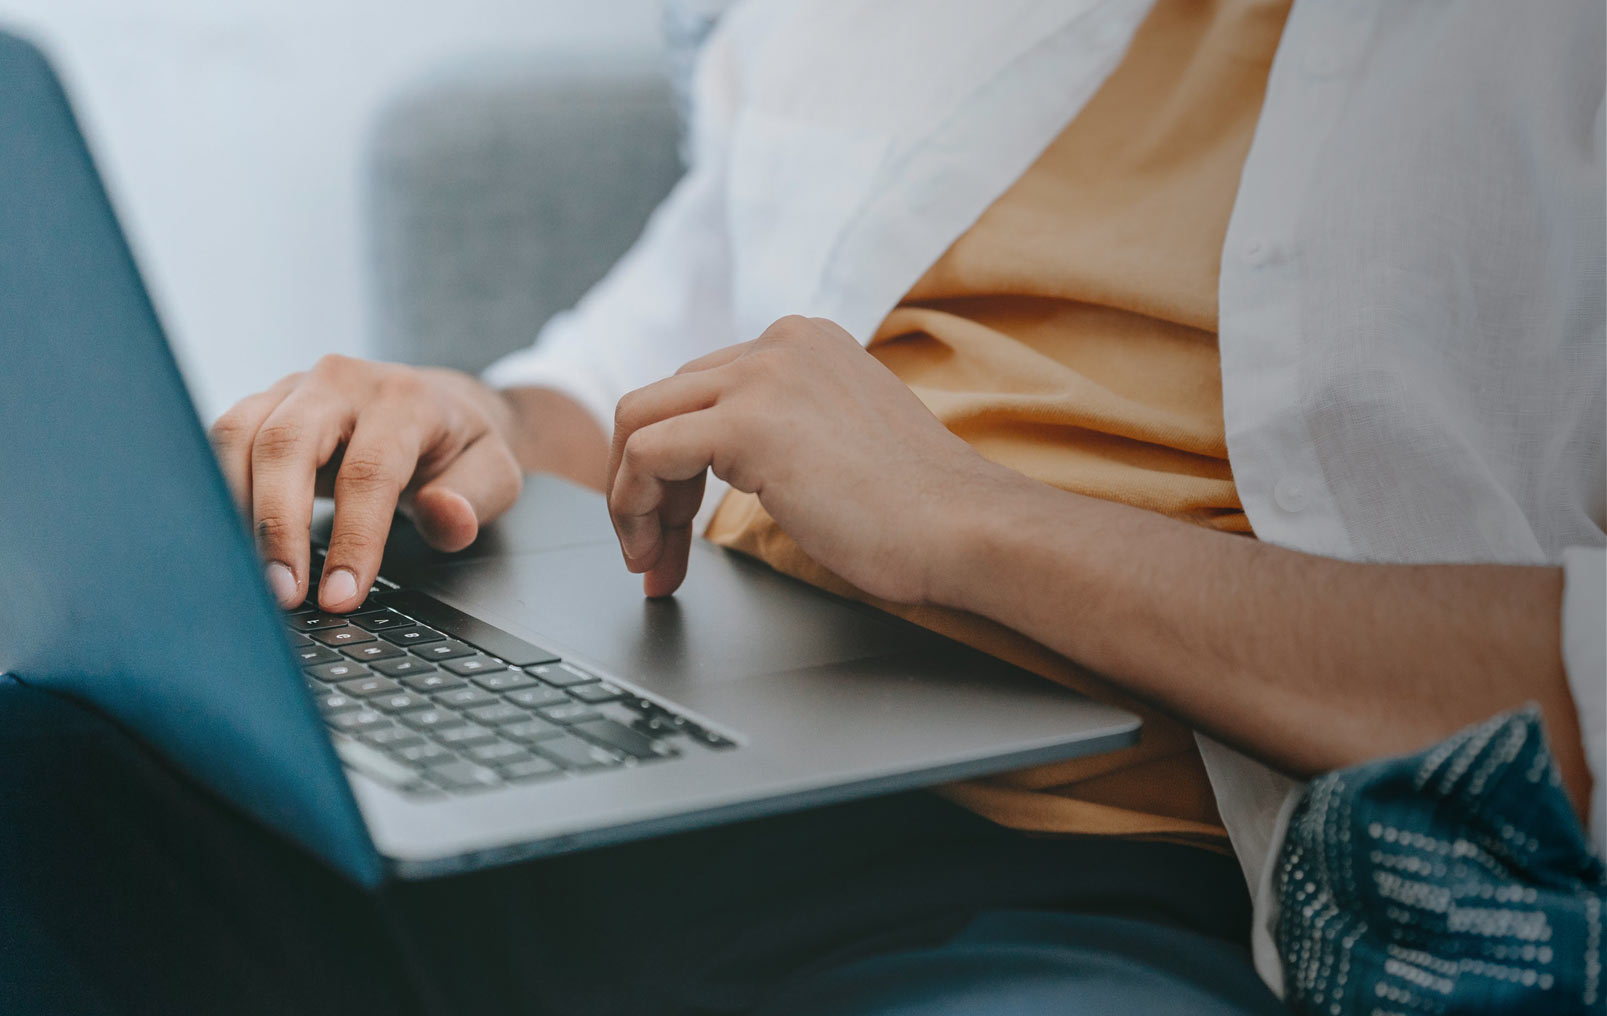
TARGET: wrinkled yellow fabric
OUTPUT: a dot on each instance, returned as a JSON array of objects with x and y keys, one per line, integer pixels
[{"x": 1070, "y": 334}]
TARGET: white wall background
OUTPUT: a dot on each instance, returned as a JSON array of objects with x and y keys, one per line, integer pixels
[{"x": 231, "y": 133}]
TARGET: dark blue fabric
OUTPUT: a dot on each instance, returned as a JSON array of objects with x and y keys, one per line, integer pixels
[
  {"x": 1027, "y": 963},
  {"x": 1457, "y": 880},
  {"x": 124, "y": 889}
]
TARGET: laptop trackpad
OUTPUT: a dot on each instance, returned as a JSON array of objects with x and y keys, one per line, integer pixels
[{"x": 733, "y": 617}]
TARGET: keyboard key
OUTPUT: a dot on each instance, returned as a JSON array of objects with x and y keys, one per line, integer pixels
[
  {"x": 504, "y": 680},
  {"x": 312, "y": 654},
  {"x": 341, "y": 670},
  {"x": 374, "y": 764},
  {"x": 406, "y": 666},
  {"x": 463, "y": 776},
  {"x": 336, "y": 702},
  {"x": 363, "y": 687},
  {"x": 490, "y": 640},
  {"x": 531, "y": 730},
  {"x": 707, "y": 738},
  {"x": 380, "y": 620},
  {"x": 391, "y": 738},
  {"x": 471, "y": 665},
  {"x": 450, "y": 649},
  {"x": 465, "y": 736},
  {"x": 497, "y": 714},
  {"x": 622, "y": 739},
  {"x": 359, "y": 720},
  {"x": 400, "y": 702},
  {"x": 424, "y": 754},
  {"x": 497, "y": 753},
  {"x": 530, "y": 771},
  {"x": 338, "y": 637},
  {"x": 429, "y": 683},
  {"x": 655, "y": 726},
  {"x": 372, "y": 651},
  {"x": 599, "y": 691},
  {"x": 414, "y": 636},
  {"x": 315, "y": 621},
  {"x": 573, "y": 753},
  {"x": 535, "y": 698},
  {"x": 466, "y": 698},
  {"x": 299, "y": 641},
  {"x": 431, "y": 719},
  {"x": 561, "y": 675},
  {"x": 573, "y": 712}
]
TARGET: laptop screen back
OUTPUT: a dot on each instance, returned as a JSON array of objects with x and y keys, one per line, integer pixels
[{"x": 126, "y": 578}]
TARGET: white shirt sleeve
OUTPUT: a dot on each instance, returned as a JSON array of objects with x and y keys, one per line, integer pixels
[
  {"x": 1584, "y": 654},
  {"x": 668, "y": 300}
]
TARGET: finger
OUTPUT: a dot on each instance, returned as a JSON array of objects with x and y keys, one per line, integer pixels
[
  {"x": 476, "y": 487},
  {"x": 378, "y": 463},
  {"x": 232, "y": 435},
  {"x": 645, "y": 496},
  {"x": 673, "y": 396},
  {"x": 295, "y": 439},
  {"x": 680, "y": 507},
  {"x": 718, "y": 358}
]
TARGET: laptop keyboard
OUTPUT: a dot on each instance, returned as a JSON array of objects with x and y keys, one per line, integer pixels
[{"x": 431, "y": 701}]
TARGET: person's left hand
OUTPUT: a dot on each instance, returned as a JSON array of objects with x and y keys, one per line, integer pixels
[{"x": 843, "y": 456}]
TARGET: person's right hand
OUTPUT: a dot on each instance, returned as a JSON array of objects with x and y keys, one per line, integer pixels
[{"x": 376, "y": 436}]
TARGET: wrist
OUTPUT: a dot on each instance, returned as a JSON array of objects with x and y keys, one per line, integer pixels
[
  {"x": 990, "y": 539},
  {"x": 551, "y": 433}
]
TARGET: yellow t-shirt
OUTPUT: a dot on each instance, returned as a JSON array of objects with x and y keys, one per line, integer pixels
[{"x": 1070, "y": 334}]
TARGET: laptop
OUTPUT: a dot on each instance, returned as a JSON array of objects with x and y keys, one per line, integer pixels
[{"x": 519, "y": 699}]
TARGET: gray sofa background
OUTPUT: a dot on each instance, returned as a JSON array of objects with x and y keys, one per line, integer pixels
[{"x": 497, "y": 194}]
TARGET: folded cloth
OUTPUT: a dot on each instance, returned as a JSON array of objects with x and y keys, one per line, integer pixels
[{"x": 1457, "y": 880}]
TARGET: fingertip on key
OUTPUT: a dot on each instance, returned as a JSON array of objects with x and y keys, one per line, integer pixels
[
  {"x": 282, "y": 583},
  {"x": 337, "y": 587}
]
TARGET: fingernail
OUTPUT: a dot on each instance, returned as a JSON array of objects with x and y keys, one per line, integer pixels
[
  {"x": 338, "y": 586},
  {"x": 282, "y": 581},
  {"x": 637, "y": 537}
]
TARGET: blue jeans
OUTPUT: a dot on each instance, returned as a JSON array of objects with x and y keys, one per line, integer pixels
[{"x": 124, "y": 889}]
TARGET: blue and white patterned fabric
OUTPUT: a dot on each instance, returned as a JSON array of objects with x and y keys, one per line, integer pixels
[{"x": 1453, "y": 881}]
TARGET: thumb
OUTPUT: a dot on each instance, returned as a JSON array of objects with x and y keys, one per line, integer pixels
[{"x": 478, "y": 486}]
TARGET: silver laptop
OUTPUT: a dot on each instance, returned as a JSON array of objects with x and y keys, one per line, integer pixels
[{"x": 519, "y": 699}]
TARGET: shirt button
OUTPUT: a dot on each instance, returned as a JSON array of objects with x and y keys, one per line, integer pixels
[{"x": 1289, "y": 495}]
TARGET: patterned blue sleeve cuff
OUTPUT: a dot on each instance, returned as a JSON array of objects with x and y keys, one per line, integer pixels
[{"x": 1457, "y": 880}]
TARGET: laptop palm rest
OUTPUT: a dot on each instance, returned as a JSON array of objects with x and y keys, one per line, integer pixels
[{"x": 732, "y": 619}]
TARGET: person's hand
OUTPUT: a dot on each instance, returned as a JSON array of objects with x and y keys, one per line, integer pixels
[
  {"x": 843, "y": 456},
  {"x": 377, "y": 437}
]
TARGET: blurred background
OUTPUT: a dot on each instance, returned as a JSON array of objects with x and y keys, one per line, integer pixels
[{"x": 237, "y": 139}]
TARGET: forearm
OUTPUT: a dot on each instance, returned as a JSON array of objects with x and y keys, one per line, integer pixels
[{"x": 1305, "y": 662}]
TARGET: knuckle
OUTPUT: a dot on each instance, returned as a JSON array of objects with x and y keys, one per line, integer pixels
[
  {"x": 278, "y": 439},
  {"x": 364, "y": 471},
  {"x": 275, "y": 529},
  {"x": 627, "y": 411},
  {"x": 351, "y": 543},
  {"x": 335, "y": 364},
  {"x": 230, "y": 429},
  {"x": 788, "y": 326},
  {"x": 638, "y": 451},
  {"x": 398, "y": 383}
]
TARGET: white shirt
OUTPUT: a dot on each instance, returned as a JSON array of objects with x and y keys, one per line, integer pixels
[{"x": 1412, "y": 287}]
